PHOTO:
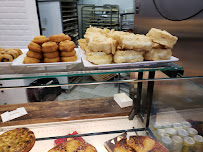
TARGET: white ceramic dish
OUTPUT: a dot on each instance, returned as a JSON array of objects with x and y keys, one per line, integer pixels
[
  {"x": 10, "y": 63},
  {"x": 19, "y": 61},
  {"x": 147, "y": 63}
]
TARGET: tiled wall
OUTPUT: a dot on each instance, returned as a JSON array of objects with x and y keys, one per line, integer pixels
[{"x": 18, "y": 23}]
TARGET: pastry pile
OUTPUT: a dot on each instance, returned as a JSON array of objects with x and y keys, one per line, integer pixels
[
  {"x": 56, "y": 48},
  {"x": 8, "y": 55},
  {"x": 103, "y": 46},
  {"x": 139, "y": 144}
]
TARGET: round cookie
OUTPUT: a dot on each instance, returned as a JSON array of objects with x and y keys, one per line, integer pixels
[
  {"x": 47, "y": 60},
  {"x": 49, "y": 47},
  {"x": 51, "y": 55},
  {"x": 35, "y": 47},
  {"x": 68, "y": 54},
  {"x": 33, "y": 54},
  {"x": 40, "y": 39},
  {"x": 58, "y": 38},
  {"x": 66, "y": 45},
  {"x": 28, "y": 60},
  {"x": 69, "y": 59},
  {"x": 19, "y": 51},
  {"x": 6, "y": 58},
  {"x": 11, "y": 52}
]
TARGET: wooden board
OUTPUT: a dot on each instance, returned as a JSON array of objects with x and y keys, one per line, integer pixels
[{"x": 54, "y": 111}]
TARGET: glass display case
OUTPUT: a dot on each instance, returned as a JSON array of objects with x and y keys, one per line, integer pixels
[{"x": 162, "y": 98}]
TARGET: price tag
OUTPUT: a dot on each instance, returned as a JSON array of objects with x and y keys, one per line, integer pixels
[{"x": 7, "y": 116}]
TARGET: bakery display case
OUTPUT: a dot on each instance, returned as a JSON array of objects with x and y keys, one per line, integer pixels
[
  {"x": 157, "y": 98},
  {"x": 134, "y": 92}
]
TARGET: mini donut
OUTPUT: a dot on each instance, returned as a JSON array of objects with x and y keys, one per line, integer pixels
[
  {"x": 28, "y": 60},
  {"x": 58, "y": 38},
  {"x": 49, "y": 47},
  {"x": 66, "y": 45},
  {"x": 51, "y": 55},
  {"x": 19, "y": 51},
  {"x": 35, "y": 47},
  {"x": 68, "y": 54},
  {"x": 33, "y": 54},
  {"x": 6, "y": 58},
  {"x": 40, "y": 39},
  {"x": 47, "y": 60},
  {"x": 69, "y": 59}
]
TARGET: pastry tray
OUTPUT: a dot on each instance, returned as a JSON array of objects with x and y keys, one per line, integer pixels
[
  {"x": 144, "y": 63},
  {"x": 10, "y": 63},
  {"x": 19, "y": 61}
]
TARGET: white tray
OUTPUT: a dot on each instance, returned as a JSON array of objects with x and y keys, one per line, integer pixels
[
  {"x": 19, "y": 61},
  {"x": 147, "y": 63},
  {"x": 10, "y": 63}
]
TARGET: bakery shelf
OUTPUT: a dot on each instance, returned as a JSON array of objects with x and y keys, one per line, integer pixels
[
  {"x": 66, "y": 30},
  {"x": 71, "y": 19},
  {"x": 77, "y": 70},
  {"x": 82, "y": 127},
  {"x": 69, "y": 16},
  {"x": 107, "y": 13},
  {"x": 102, "y": 10},
  {"x": 69, "y": 11},
  {"x": 72, "y": 6}
]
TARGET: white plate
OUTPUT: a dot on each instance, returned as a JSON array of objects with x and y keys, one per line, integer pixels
[
  {"x": 147, "y": 63},
  {"x": 19, "y": 61},
  {"x": 10, "y": 63}
]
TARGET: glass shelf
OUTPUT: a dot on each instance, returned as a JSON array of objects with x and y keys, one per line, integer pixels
[{"x": 11, "y": 72}]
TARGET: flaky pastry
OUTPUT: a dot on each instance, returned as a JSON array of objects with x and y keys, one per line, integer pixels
[
  {"x": 136, "y": 42},
  {"x": 158, "y": 54},
  {"x": 128, "y": 56},
  {"x": 82, "y": 43},
  {"x": 99, "y": 58},
  {"x": 162, "y": 37},
  {"x": 107, "y": 45},
  {"x": 157, "y": 46}
]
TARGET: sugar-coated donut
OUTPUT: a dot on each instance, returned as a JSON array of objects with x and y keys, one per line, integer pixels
[
  {"x": 68, "y": 54},
  {"x": 33, "y": 54},
  {"x": 51, "y": 55},
  {"x": 28, "y": 60},
  {"x": 66, "y": 45},
  {"x": 35, "y": 47},
  {"x": 47, "y": 60},
  {"x": 49, "y": 47},
  {"x": 69, "y": 59},
  {"x": 6, "y": 58},
  {"x": 40, "y": 39},
  {"x": 58, "y": 38}
]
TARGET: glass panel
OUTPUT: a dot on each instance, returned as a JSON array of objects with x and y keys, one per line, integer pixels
[
  {"x": 177, "y": 106},
  {"x": 75, "y": 70}
]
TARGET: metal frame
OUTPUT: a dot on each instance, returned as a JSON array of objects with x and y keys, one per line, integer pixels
[
  {"x": 121, "y": 19},
  {"x": 94, "y": 7}
]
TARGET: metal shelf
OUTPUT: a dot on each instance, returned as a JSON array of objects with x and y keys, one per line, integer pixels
[
  {"x": 69, "y": 18},
  {"x": 100, "y": 16}
]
